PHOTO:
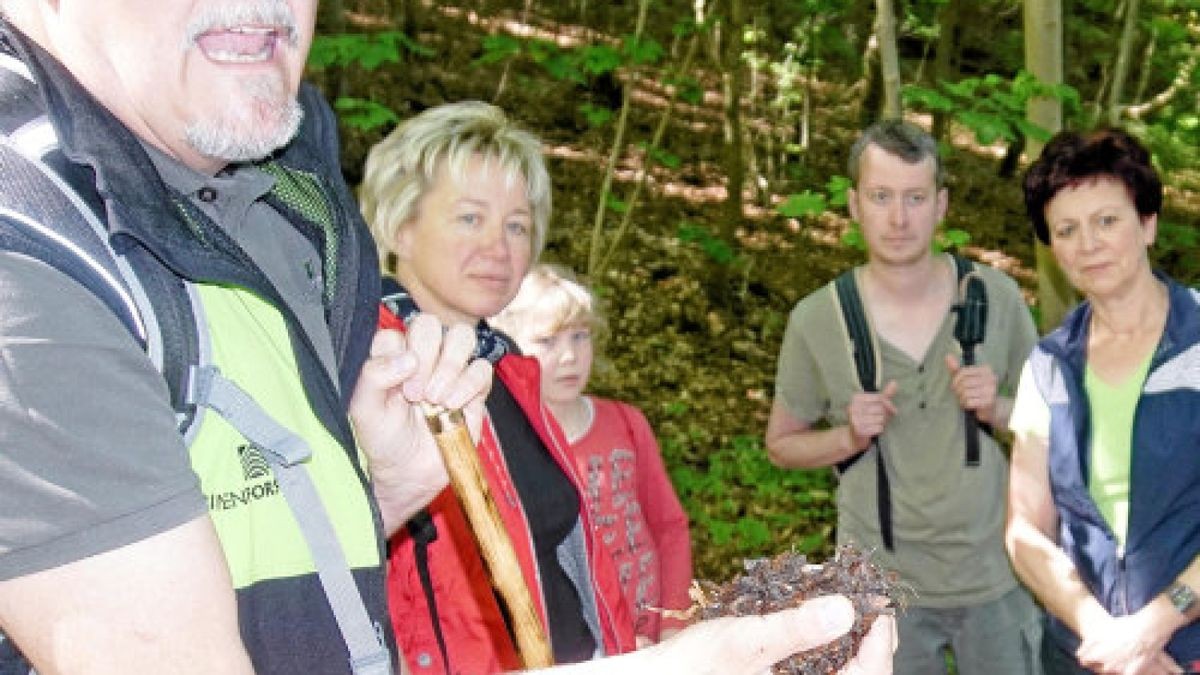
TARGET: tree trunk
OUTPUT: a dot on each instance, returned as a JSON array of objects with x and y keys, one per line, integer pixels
[
  {"x": 1147, "y": 58},
  {"x": 872, "y": 83},
  {"x": 735, "y": 156},
  {"x": 945, "y": 63},
  {"x": 614, "y": 155},
  {"x": 1124, "y": 54},
  {"x": 1044, "y": 59},
  {"x": 889, "y": 60}
]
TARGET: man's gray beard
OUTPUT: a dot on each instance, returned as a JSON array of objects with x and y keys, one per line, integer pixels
[{"x": 236, "y": 141}]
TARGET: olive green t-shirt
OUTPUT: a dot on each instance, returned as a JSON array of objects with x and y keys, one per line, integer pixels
[{"x": 948, "y": 518}]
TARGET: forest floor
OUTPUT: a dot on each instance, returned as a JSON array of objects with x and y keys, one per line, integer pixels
[{"x": 698, "y": 359}]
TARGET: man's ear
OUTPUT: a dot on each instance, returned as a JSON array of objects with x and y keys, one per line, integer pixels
[
  {"x": 852, "y": 203},
  {"x": 943, "y": 203}
]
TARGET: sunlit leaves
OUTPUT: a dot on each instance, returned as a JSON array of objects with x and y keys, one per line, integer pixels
[
  {"x": 807, "y": 203},
  {"x": 992, "y": 106},
  {"x": 365, "y": 50}
]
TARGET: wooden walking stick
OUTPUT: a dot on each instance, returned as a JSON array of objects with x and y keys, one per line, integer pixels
[{"x": 466, "y": 477}]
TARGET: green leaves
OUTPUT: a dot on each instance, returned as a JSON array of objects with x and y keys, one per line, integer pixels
[
  {"x": 616, "y": 205},
  {"x": 658, "y": 155},
  {"x": 810, "y": 203},
  {"x": 838, "y": 189},
  {"x": 368, "y": 51},
  {"x": 572, "y": 65},
  {"x": 499, "y": 47},
  {"x": 744, "y": 506},
  {"x": 596, "y": 116},
  {"x": 807, "y": 203},
  {"x": 363, "y": 114},
  {"x": 717, "y": 250},
  {"x": 643, "y": 52},
  {"x": 992, "y": 106}
]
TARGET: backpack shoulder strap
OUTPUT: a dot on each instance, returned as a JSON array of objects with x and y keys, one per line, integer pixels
[
  {"x": 864, "y": 351},
  {"x": 962, "y": 265},
  {"x": 865, "y": 354},
  {"x": 50, "y": 211},
  {"x": 860, "y": 339}
]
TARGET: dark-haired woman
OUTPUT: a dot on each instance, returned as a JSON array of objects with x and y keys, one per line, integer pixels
[{"x": 1104, "y": 498}]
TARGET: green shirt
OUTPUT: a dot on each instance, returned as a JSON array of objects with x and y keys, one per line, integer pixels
[
  {"x": 1112, "y": 408},
  {"x": 948, "y": 519}
]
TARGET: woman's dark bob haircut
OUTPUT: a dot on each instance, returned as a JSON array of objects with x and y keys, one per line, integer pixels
[{"x": 1072, "y": 158}]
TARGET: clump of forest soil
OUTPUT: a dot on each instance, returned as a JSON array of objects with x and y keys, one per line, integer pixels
[{"x": 787, "y": 580}]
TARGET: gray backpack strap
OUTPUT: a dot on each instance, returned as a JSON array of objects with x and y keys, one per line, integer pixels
[{"x": 286, "y": 453}]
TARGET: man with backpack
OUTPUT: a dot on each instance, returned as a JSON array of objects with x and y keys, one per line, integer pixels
[
  {"x": 203, "y": 444},
  {"x": 875, "y": 378}
]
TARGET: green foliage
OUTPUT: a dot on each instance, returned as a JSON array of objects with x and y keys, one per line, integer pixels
[
  {"x": 1174, "y": 248},
  {"x": 951, "y": 238},
  {"x": 1173, "y": 137},
  {"x": 367, "y": 51},
  {"x": 499, "y": 47},
  {"x": 838, "y": 190},
  {"x": 715, "y": 248},
  {"x": 596, "y": 115},
  {"x": 661, "y": 156},
  {"x": 992, "y": 106},
  {"x": 572, "y": 65},
  {"x": 364, "y": 115},
  {"x": 811, "y": 203},
  {"x": 560, "y": 65},
  {"x": 364, "y": 50},
  {"x": 598, "y": 59},
  {"x": 742, "y": 506},
  {"x": 687, "y": 89},
  {"x": 807, "y": 203},
  {"x": 641, "y": 52},
  {"x": 853, "y": 238},
  {"x": 616, "y": 205}
]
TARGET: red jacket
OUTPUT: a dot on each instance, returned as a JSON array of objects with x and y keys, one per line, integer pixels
[{"x": 477, "y": 640}]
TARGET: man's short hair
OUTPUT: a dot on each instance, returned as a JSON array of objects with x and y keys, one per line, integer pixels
[
  {"x": 404, "y": 165},
  {"x": 901, "y": 139}
]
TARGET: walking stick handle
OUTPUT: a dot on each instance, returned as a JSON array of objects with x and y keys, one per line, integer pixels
[{"x": 466, "y": 478}]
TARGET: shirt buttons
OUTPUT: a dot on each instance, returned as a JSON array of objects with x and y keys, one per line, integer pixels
[
  {"x": 424, "y": 660},
  {"x": 207, "y": 194}
]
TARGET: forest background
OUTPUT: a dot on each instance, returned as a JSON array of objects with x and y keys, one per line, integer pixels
[{"x": 698, "y": 156}]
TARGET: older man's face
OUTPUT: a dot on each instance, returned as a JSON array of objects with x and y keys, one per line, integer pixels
[{"x": 208, "y": 81}]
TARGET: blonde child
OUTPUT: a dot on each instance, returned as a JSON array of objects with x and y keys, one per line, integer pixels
[{"x": 634, "y": 508}]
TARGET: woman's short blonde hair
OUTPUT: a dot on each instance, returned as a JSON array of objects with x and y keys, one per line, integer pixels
[
  {"x": 404, "y": 165},
  {"x": 552, "y": 292}
]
